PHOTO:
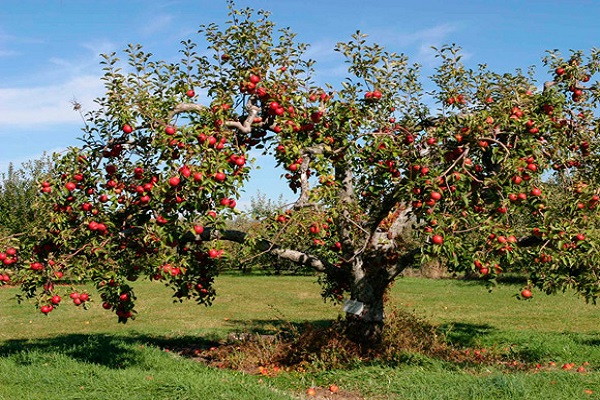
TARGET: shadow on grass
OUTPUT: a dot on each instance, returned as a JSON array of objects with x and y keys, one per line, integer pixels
[
  {"x": 271, "y": 326},
  {"x": 465, "y": 335},
  {"x": 119, "y": 351},
  {"x": 112, "y": 351}
]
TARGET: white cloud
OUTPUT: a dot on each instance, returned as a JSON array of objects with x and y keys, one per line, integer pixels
[
  {"x": 50, "y": 104},
  {"x": 41, "y": 102},
  {"x": 322, "y": 50},
  {"x": 7, "y": 53},
  {"x": 157, "y": 24},
  {"x": 416, "y": 44}
]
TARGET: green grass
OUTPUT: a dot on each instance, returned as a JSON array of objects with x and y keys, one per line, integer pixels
[{"x": 79, "y": 354}]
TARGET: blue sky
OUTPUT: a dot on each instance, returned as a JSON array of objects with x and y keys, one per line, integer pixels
[{"x": 49, "y": 49}]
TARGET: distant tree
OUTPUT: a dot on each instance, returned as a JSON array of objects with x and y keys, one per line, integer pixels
[{"x": 19, "y": 195}]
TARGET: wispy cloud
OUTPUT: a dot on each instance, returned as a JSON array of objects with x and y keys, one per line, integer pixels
[
  {"x": 49, "y": 104},
  {"x": 322, "y": 50},
  {"x": 8, "y": 53},
  {"x": 39, "y": 102},
  {"x": 417, "y": 44},
  {"x": 9, "y": 43},
  {"x": 156, "y": 24}
]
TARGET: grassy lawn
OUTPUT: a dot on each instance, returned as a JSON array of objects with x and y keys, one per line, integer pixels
[{"x": 79, "y": 354}]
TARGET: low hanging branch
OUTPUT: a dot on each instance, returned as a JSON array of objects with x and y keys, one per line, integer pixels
[{"x": 265, "y": 246}]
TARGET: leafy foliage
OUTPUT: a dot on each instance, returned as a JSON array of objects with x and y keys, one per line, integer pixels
[{"x": 384, "y": 181}]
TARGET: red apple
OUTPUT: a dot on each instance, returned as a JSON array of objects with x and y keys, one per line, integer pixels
[
  {"x": 435, "y": 196},
  {"x": 536, "y": 192},
  {"x": 45, "y": 309},
  {"x": 220, "y": 177},
  {"x": 174, "y": 181}
]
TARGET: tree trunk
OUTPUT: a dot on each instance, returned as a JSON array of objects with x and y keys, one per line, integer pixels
[{"x": 364, "y": 322}]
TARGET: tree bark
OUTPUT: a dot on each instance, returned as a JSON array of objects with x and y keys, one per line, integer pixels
[{"x": 368, "y": 289}]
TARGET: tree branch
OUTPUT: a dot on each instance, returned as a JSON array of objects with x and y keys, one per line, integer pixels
[
  {"x": 246, "y": 125},
  {"x": 265, "y": 246}
]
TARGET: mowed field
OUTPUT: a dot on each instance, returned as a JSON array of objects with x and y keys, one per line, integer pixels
[{"x": 84, "y": 354}]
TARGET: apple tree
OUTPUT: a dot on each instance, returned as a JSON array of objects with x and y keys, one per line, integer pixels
[{"x": 389, "y": 169}]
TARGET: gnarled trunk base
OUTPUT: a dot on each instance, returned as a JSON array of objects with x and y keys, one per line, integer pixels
[
  {"x": 364, "y": 332},
  {"x": 365, "y": 321}
]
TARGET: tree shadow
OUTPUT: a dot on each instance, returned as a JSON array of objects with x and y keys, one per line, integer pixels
[
  {"x": 111, "y": 351},
  {"x": 273, "y": 326},
  {"x": 119, "y": 351},
  {"x": 462, "y": 334}
]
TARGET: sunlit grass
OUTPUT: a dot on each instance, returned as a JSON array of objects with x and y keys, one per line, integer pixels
[{"x": 75, "y": 353}]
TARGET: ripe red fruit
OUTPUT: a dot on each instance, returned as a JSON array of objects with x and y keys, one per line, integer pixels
[
  {"x": 559, "y": 71},
  {"x": 124, "y": 297},
  {"x": 55, "y": 299},
  {"x": 84, "y": 297},
  {"x": 70, "y": 186},
  {"x": 190, "y": 93},
  {"x": 333, "y": 388},
  {"x": 240, "y": 161},
  {"x": 127, "y": 128},
  {"x": 185, "y": 171},
  {"x": 220, "y": 177},
  {"x": 46, "y": 309},
  {"x": 198, "y": 229},
  {"x": 437, "y": 239},
  {"x": 526, "y": 293},
  {"x": 435, "y": 196},
  {"x": 174, "y": 181},
  {"x": 536, "y": 192},
  {"x": 254, "y": 79},
  {"x": 532, "y": 167},
  {"x": 169, "y": 130},
  {"x": 213, "y": 253}
]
